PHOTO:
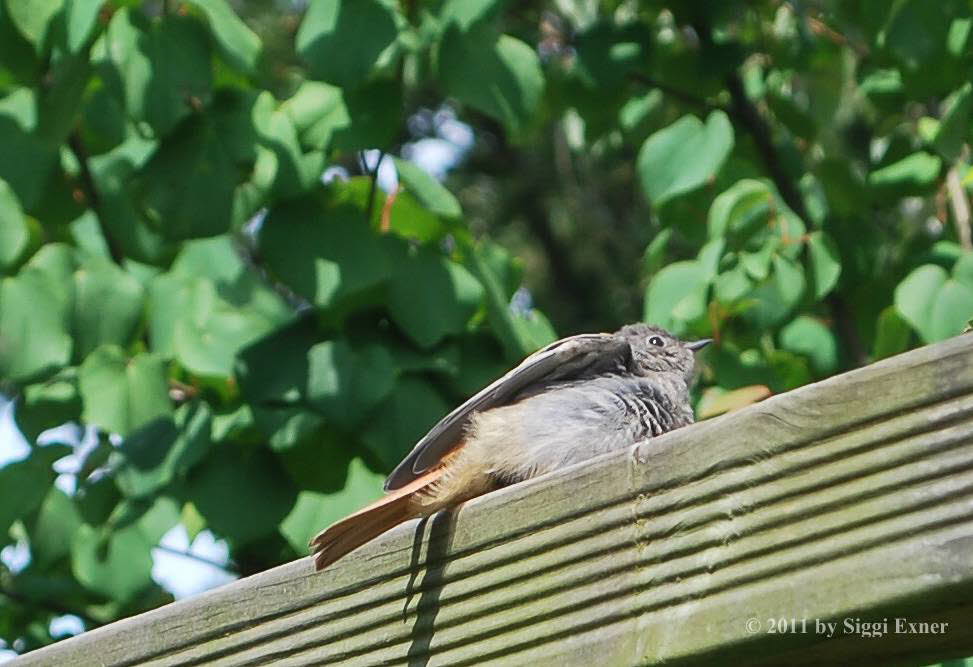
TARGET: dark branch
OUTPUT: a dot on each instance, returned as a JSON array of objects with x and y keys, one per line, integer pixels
[
  {"x": 675, "y": 93},
  {"x": 91, "y": 194},
  {"x": 746, "y": 114},
  {"x": 50, "y": 605}
]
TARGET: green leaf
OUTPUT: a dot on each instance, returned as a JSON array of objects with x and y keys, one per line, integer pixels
[
  {"x": 954, "y": 127},
  {"x": 709, "y": 258},
  {"x": 935, "y": 304},
  {"x": 655, "y": 253},
  {"x": 787, "y": 370},
  {"x": 317, "y": 111},
  {"x": 410, "y": 220},
  {"x": 468, "y": 13},
  {"x": 296, "y": 172},
  {"x": 164, "y": 66},
  {"x": 274, "y": 369},
  {"x": 345, "y": 383},
  {"x": 407, "y": 414},
  {"x": 892, "y": 334},
  {"x": 243, "y": 501},
  {"x": 163, "y": 449},
  {"x": 776, "y": 296},
  {"x": 27, "y": 161},
  {"x": 534, "y": 328},
  {"x": 211, "y": 333},
  {"x": 187, "y": 188},
  {"x": 210, "y": 306},
  {"x": 791, "y": 115},
  {"x": 952, "y": 309},
  {"x": 34, "y": 316},
  {"x": 430, "y": 192},
  {"x": 345, "y": 41},
  {"x": 51, "y": 532},
  {"x": 682, "y": 157},
  {"x": 740, "y": 210},
  {"x": 916, "y": 33},
  {"x": 430, "y": 297},
  {"x": 118, "y": 565},
  {"x": 81, "y": 17},
  {"x": 912, "y": 175},
  {"x": 824, "y": 263},
  {"x": 107, "y": 306},
  {"x": 48, "y": 404},
  {"x": 375, "y": 114},
  {"x": 676, "y": 295},
  {"x": 731, "y": 286},
  {"x": 757, "y": 264},
  {"x": 59, "y": 105},
  {"x": 34, "y": 19},
  {"x": 963, "y": 269},
  {"x": 121, "y": 394},
  {"x": 193, "y": 321},
  {"x": 915, "y": 298},
  {"x": 24, "y": 484},
  {"x": 467, "y": 59},
  {"x": 810, "y": 337},
  {"x": 323, "y": 253},
  {"x": 14, "y": 233},
  {"x": 607, "y": 54},
  {"x": 498, "y": 275},
  {"x": 113, "y": 174},
  {"x": 239, "y": 45},
  {"x": 314, "y": 511},
  {"x": 323, "y": 115}
]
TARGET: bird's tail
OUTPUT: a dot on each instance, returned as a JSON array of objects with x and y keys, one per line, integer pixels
[
  {"x": 371, "y": 521},
  {"x": 460, "y": 476}
]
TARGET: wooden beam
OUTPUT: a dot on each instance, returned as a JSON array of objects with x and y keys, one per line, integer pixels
[{"x": 848, "y": 499}]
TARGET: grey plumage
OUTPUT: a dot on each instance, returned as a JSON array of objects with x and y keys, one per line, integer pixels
[
  {"x": 598, "y": 393},
  {"x": 577, "y": 398}
]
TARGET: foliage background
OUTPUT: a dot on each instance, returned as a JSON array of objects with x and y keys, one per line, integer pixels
[{"x": 252, "y": 348}]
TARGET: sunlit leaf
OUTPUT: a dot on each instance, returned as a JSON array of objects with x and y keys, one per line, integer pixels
[{"x": 684, "y": 156}]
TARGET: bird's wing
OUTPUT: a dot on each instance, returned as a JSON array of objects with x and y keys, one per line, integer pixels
[{"x": 572, "y": 358}]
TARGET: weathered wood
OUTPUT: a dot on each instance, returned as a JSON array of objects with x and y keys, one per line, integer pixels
[{"x": 850, "y": 498}]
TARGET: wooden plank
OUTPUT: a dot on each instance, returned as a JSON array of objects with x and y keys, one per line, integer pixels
[{"x": 851, "y": 498}]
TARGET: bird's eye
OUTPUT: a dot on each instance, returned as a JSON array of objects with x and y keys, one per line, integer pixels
[{"x": 657, "y": 341}]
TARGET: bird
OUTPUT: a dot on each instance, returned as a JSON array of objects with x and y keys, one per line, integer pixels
[{"x": 574, "y": 399}]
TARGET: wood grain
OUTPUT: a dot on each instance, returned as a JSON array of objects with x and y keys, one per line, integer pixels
[{"x": 850, "y": 498}]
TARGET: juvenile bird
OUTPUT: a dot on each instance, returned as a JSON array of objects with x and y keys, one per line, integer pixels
[{"x": 574, "y": 399}]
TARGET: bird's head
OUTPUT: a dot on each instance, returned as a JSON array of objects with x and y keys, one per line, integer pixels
[{"x": 656, "y": 350}]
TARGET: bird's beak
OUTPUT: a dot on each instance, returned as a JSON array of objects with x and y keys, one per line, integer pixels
[{"x": 699, "y": 344}]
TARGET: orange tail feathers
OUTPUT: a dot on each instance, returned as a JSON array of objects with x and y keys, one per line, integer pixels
[{"x": 372, "y": 520}]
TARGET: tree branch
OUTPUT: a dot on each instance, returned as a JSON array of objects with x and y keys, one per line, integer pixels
[
  {"x": 961, "y": 208},
  {"x": 747, "y": 114},
  {"x": 91, "y": 194},
  {"x": 674, "y": 93},
  {"x": 51, "y": 606}
]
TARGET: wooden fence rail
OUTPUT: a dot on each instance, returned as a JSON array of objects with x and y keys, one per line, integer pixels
[{"x": 846, "y": 502}]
